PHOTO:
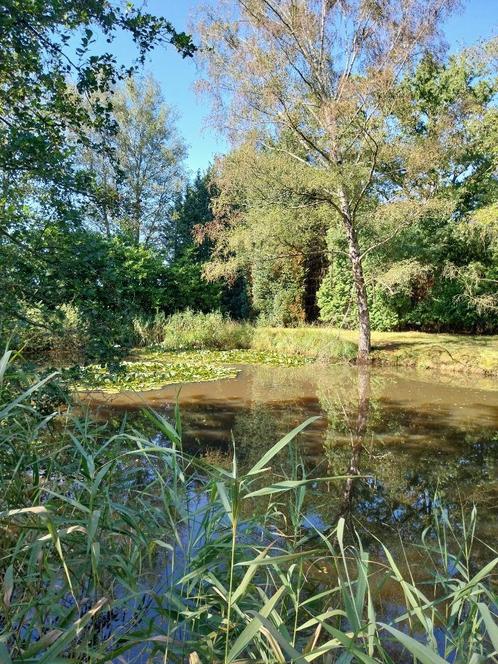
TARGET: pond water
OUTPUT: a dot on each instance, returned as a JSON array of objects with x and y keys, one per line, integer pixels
[{"x": 404, "y": 437}]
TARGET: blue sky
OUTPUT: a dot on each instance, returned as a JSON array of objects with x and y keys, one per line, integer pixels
[{"x": 477, "y": 19}]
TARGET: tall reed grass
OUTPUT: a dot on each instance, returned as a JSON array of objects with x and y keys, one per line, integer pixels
[
  {"x": 188, "y": 330},
  {"x": 117, "y": 545}
]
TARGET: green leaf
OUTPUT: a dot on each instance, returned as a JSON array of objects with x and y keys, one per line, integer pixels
[
  {"x": 248, "y": 576},
  {"x": 4, "y": 654},
  {"x": 253, "y": 628},
  {"x": 491, "y": 626},
  {"x": 276, "y": 560},
  {"x": 266, "y": 458},
  {"x": 8, "y": 585},
  {"x": 424, "y": 654},
  {"x": 222, "y": 493},
  {"x": 4, "y": 362},
  {"x": 70, "y": 634},
  {"x": 289, "y": 485},
  {"x": 163, "y": 425}
]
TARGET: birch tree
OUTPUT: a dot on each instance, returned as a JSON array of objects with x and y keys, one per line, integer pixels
[
  {"x": 327, "y": 71},
  {"x": 136, "y": 186}
]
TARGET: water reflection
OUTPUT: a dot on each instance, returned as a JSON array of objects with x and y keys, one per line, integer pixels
[{"x": 401, "y": 438}]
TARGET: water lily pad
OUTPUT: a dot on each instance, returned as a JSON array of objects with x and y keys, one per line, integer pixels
[{"x": 148, "y": 375}]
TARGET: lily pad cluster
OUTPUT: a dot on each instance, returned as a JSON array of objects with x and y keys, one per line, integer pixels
[
  {"x": 149, "y": 375},
  {"x": 224, "y": 357},
  {"x": 153, "y": 368}
]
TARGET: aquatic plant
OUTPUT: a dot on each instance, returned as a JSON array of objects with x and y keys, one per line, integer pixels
[
  {"x": 144, "y": 375},
  {"x": 115, "y": 544},
  {"x": 153, "y": 368},
  {"x": 222, "y": 357}
]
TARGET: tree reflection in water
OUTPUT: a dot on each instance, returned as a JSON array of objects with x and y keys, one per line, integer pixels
[{"x": 401, "y": 437}]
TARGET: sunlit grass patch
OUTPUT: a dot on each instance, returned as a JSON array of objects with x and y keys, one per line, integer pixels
[
  {"x": 315, "y": 343},
  {"x": 450, "y": 353}
]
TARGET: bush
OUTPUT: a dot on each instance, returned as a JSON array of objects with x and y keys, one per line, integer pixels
[
  {"x": 61, "y": 333},
  {"x": 189, "y": 330}
]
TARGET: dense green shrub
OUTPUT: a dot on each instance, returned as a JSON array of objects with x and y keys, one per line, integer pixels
[{"x": 336, "y": 300}]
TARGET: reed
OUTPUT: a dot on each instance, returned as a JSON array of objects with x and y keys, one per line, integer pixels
[
  {"x": 190, "y": 330},
  {"x": 118, "y": 544}
]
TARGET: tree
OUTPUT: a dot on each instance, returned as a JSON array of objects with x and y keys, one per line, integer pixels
[
  {"x": 51, "y": 64},
  {"x": 263, "y": 231},
  {"x": 192, "y": 242},
  {"x": 38, "y": 104},
  {"x": 439, "y": 272},
  {"x": 192, "y": 211},
  {"x": 136, "y": 180},
  {"x": 328, "y": 73}
]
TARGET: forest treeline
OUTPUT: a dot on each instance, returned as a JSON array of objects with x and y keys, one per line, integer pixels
[{"x": 356, "y": 193}]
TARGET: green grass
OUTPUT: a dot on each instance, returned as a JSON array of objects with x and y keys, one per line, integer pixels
[
  {"x": 443, "y": 352},
  {"x": 112, "y": 543}
]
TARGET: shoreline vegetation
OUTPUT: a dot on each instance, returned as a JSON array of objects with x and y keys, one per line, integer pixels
[
  {"x": 120, "y": 544},
  {"x": 194, "y": 347},
  {"x": 451, "y": 353}
]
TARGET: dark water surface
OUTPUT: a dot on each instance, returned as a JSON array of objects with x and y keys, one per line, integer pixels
[{"x": 407, "y": 437}]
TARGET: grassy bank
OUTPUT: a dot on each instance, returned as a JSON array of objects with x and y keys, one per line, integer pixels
[
  {"x": 117, "y": 542},
  {"x": 189, "y": 347},
  {"x": 441, "y": 352}
]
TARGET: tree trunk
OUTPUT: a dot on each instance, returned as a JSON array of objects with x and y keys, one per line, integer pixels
[
  {"x": 315, "y": 266},
  {"x": 364, "y": 339}
]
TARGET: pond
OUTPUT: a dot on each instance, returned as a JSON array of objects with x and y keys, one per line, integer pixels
[{"x": 406, "y": 439}]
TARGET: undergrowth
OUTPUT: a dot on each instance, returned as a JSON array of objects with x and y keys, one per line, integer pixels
[{"x": 188, "y": 330}]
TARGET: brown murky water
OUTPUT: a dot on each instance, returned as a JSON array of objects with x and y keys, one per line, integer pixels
[{"x": 408, "y": 437}]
